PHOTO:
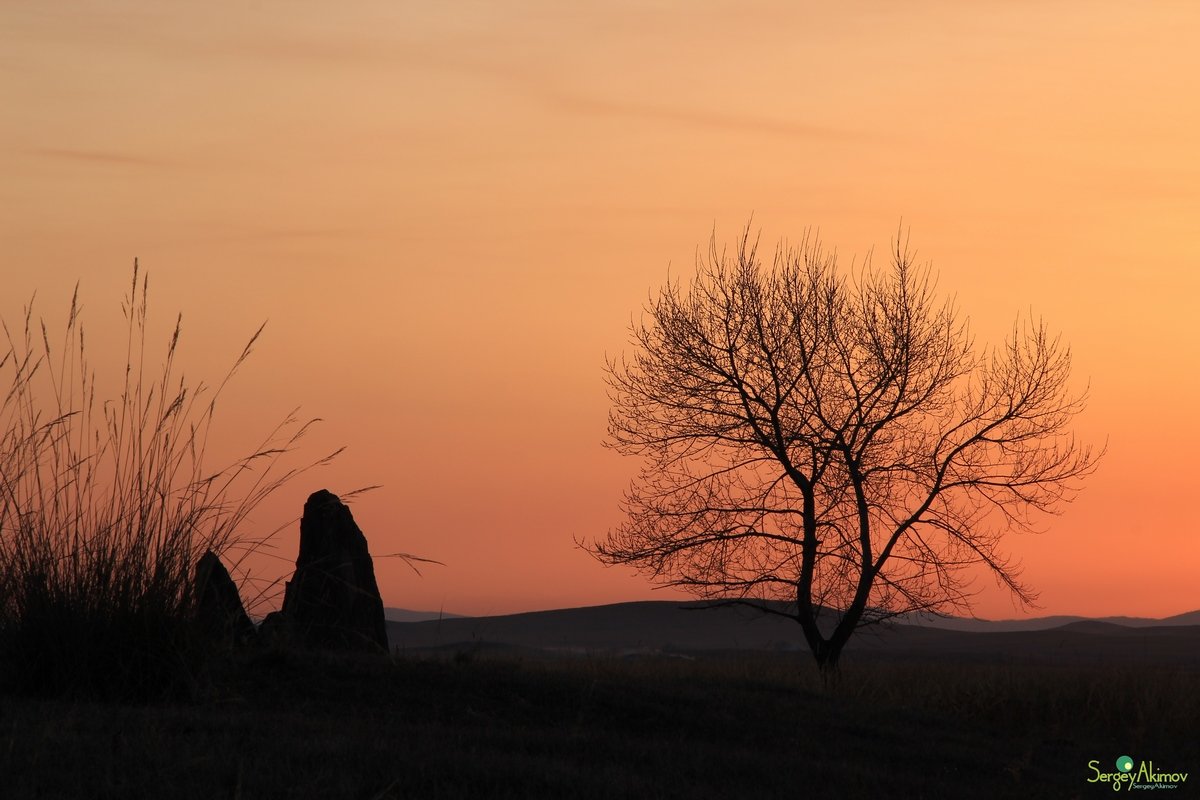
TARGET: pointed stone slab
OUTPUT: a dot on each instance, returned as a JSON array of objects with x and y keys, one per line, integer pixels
[{"x": 332, "y": 601}]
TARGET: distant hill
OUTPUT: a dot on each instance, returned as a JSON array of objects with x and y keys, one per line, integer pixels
[
  {"x": 664, "y": 627},
  {"x": 1040, "y": 623},
  {"x": 647, "y": 625},
  {"x": 408, "y": 615},
  {"x": 1187, "y": 618}
]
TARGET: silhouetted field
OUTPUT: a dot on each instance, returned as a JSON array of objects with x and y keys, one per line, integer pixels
[{"x": 734, "y": 724}]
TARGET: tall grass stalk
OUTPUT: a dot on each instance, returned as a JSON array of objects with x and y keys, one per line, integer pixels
[{"x": 106, "y": 505}]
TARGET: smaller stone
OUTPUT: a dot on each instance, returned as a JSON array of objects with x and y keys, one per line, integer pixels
[{"x": 219, "y": 611}]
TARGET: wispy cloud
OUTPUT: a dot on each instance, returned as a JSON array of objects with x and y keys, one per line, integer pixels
[
  {"x": 696, "y": 117},
  {"x": 98, "y": 157},
  {"x": 293, "y": 234}
]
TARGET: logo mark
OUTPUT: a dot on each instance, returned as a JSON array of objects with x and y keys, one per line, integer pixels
[{"x": 1131, "y": 775}]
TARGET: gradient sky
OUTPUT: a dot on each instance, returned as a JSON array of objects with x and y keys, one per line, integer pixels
[{"x": 448, "y": 213}]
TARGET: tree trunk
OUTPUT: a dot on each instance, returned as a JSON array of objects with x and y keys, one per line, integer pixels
[{"x": 828, "y": 658}]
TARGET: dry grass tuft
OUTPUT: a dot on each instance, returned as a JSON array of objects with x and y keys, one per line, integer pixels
[{"x": 106, "y": 505}]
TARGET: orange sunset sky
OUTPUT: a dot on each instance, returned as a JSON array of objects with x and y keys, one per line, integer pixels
[{"x": 448, "y": 212}]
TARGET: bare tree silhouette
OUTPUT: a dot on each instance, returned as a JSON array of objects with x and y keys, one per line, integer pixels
[{"x": 833, "y": 439}]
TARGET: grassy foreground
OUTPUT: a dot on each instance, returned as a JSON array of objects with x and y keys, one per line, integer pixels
[{"x": 287, "y": 725}]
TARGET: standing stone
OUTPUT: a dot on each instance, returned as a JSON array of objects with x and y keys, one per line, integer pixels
[
  {"x": 219, "y": 611},
  {"x": 332, "y": 600}
]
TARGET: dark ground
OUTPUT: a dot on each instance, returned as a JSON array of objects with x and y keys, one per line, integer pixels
[{"x": 730, "y": 725}]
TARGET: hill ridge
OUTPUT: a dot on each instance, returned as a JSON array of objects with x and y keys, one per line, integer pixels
[{"x": 697, "y": 627}]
